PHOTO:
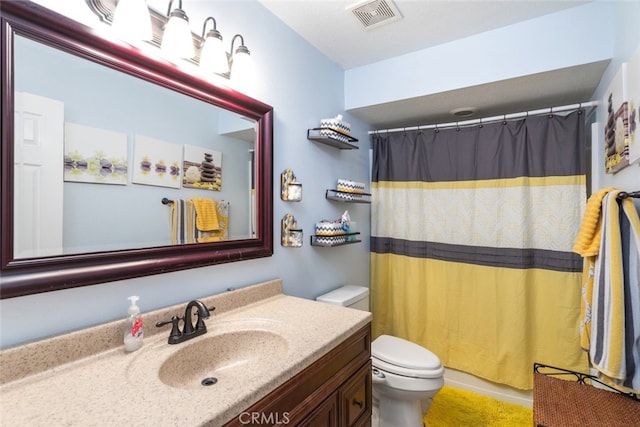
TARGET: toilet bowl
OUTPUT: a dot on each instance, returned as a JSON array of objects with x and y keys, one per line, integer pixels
[{"x": 405, "y": 376}]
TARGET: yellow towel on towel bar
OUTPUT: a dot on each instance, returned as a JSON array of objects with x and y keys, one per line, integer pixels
[
  {"x": 587, "y": 245},
  {"x": 206, "y": 214},
  {"x": 588, "y": 240}
]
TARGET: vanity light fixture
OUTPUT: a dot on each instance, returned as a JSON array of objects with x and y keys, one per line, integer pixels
[
  {"x": 131, "y": 20},
  {"x": 177, "y": 41},
  {"x": 171, "y": 33},
  {"x": 242, "y": 69},
  {"x": 213, "y": 57}
]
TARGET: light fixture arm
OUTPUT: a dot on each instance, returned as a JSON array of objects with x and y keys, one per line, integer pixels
[
  {"x": 169, "y": 8},
  {"x": 242, "y": 48},
  {"x": 204, "y": 26},
  {"x": 212, "y": 32}
]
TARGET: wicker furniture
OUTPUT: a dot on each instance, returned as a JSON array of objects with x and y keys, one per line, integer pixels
[{"x": 563, "y": 398}]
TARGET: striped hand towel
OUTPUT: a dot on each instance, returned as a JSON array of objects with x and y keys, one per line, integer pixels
[
  {"x": 615, "y": 320},
  {"x": 182, "y": 222}
]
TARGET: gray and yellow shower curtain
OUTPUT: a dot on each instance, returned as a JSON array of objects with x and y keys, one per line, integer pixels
[{"x": 471, "y": 243}]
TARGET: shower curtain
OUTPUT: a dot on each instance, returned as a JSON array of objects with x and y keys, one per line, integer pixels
[{"x": 472, "y": 232}]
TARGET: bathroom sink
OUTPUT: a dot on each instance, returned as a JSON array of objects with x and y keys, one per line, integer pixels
[{"x": 224, "y": 357}]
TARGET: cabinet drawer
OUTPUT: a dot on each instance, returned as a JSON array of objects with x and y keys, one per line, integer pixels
[
  {"x": 326, "y": 415},
  {"x": 355, "y": 396}
]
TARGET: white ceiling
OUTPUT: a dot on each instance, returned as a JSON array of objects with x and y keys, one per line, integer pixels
[{"x": 332, "y": 29}]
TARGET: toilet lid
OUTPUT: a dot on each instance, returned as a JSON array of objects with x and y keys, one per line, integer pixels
[{"x": 404, "y": 354}]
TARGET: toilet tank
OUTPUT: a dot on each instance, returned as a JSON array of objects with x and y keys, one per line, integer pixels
[{"x": 348, "y": 296}]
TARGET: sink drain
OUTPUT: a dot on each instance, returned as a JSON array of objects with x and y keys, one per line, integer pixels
[{"x": 209, "y": 381}]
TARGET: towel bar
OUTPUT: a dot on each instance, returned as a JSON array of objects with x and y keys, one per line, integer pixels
[{"x": 624, "y": 194}]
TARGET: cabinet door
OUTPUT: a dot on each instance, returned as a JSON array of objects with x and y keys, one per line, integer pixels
[
  {"x": 355, "y": 397},
  {"x": 325, "y": 415}
]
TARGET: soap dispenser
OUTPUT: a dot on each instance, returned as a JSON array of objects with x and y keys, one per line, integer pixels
[{"x": 133, "y": 329}]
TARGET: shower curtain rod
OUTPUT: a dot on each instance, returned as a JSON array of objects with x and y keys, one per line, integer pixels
[{"x": 510, "y": 116}]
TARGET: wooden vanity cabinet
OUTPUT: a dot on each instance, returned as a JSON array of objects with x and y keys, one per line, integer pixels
[{"x": 333, "y": 391}]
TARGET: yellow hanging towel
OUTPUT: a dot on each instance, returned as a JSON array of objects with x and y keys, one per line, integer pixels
[{"x": 206, "y": 214}]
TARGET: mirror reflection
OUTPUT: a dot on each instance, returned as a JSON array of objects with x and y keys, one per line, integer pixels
[{"x": 96, "y": 151}]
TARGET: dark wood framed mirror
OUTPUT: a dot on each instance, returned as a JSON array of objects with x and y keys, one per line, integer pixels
[{"x": 25, "y": 23}]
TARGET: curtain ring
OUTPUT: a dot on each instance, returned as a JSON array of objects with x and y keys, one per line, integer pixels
[
  {"x": 436, "y": 129},
  {"x": 504, "y": 120},
  {"x": 480, "y": 125},
  {"x": 457, "y": 127},
  {"x": 580, "y": 109},
  {"x": 551, "y": 112}
]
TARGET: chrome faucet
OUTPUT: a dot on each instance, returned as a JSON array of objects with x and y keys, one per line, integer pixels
[{"x": 188, "y": 330}]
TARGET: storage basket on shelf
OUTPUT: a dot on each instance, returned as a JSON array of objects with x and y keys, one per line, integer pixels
[{"x": 335, "y": 128}]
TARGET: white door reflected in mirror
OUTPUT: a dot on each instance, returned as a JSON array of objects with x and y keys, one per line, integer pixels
[{"x": 39, "y": 124}]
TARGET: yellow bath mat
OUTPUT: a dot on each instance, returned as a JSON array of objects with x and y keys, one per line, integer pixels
[{"x": 453, "y": 407}]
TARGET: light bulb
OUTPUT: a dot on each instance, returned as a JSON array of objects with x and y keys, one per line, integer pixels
[
  {"x": 131, "y": 20},
  {"x": 177, "y": 41},
  {"x": 213, "y": 58},
  {"x": 242, "y": 70}
]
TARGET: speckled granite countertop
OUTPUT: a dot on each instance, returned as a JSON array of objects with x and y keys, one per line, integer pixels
[{"x": 86, "y": 379}]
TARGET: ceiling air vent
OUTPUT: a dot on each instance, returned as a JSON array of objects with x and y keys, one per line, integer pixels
[{"x": 372, "y": 14}]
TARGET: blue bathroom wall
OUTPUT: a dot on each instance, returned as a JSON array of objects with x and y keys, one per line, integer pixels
[
  {"x": 626, "y": 44},
  {"x": 303, "y": 86}
]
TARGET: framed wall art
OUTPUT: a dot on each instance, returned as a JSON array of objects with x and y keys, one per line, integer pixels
[
  {"x": 633, "y": 99},
  {"x": 202, "y": 168},
  {"x": 156, "y": 162},
  {"x": 616, "y": 128},
  {"x": 93, "y": 155}
]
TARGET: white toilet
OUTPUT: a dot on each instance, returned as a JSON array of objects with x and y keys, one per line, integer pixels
[{"x": 406, "y": 376}]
